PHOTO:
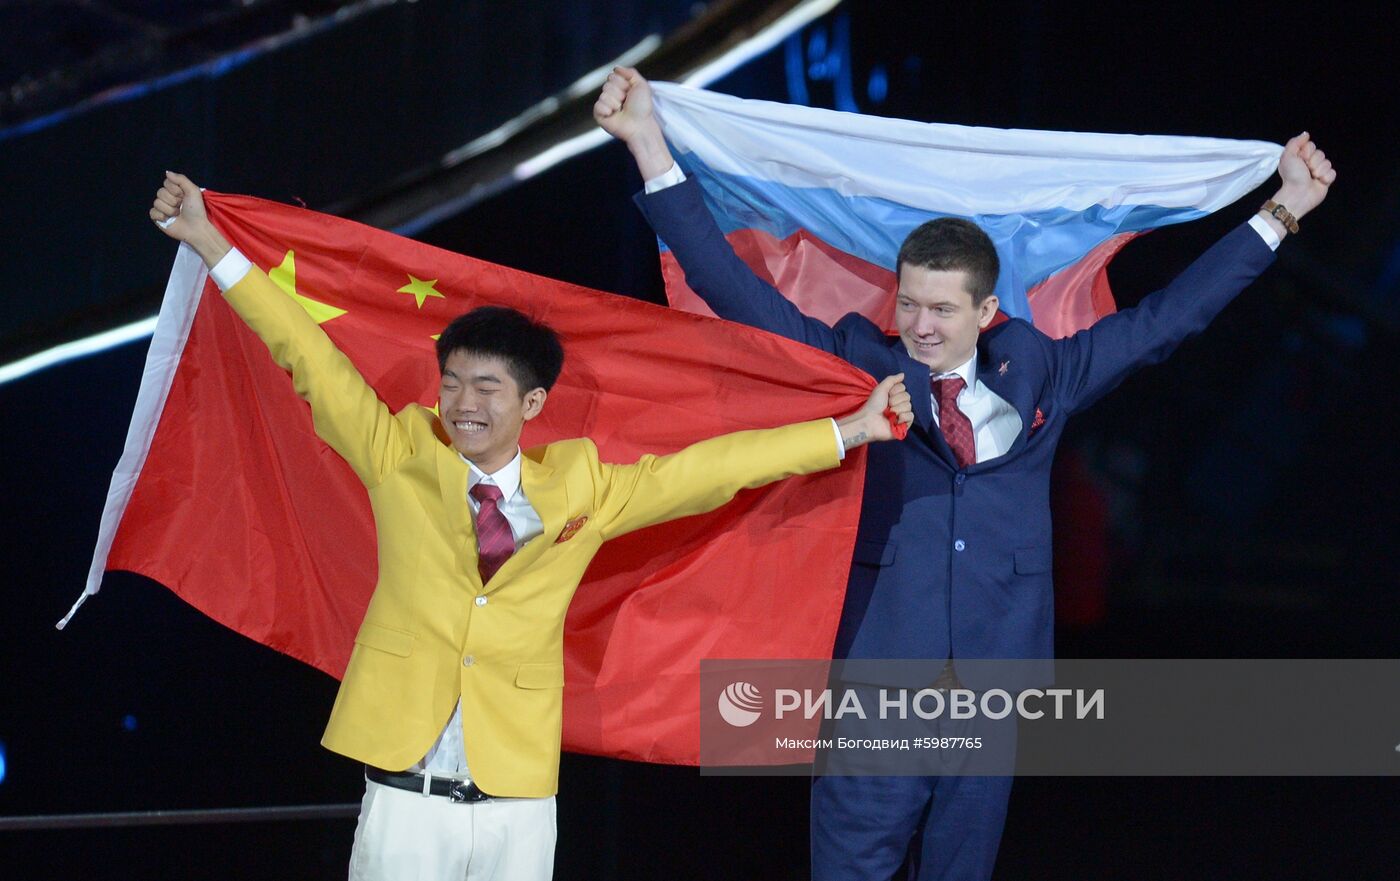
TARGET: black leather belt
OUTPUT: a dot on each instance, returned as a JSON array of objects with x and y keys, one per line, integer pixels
[{"x": 452, "y": 790}]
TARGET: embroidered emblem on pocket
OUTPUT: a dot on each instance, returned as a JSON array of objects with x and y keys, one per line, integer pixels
[{"x": 571, "y": 529}]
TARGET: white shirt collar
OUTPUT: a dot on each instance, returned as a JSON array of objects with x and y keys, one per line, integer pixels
[
  {"x": 507, "y": 478},
  {"x": 967, "y": 370}
]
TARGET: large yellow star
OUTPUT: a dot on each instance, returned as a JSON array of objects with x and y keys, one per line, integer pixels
[
  {"x": 420, "y": 289},
  {"x": 285, "y": 277}
]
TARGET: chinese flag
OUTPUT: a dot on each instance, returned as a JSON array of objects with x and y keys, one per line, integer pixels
[{"x": 225, "y": 495}]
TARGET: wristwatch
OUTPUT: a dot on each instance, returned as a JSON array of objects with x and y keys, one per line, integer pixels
[{"x": 1282, "y": 215}]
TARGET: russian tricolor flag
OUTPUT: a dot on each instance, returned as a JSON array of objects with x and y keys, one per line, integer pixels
[{"x": 818, "y": 201}]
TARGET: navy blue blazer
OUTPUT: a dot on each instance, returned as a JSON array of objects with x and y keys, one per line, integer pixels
[{"x": 949, "y": 561}]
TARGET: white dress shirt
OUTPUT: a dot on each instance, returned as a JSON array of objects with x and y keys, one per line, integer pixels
[
  {"x": 525, "y": 524},
  {"x": 230, "y": 270},
  {"x": 995, "y": 423}
]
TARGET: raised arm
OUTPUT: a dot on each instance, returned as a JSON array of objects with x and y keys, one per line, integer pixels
[
  {"x": 624, "y": 110},
  {"x": 678, "y": 215},
  {"x": 347, "y": 413},
  {"x": 1092, "y": 362},
  {"x": 708, "y": 474}
]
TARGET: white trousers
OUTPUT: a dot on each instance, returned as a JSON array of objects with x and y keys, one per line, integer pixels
[{"x": 405, "y": 836}]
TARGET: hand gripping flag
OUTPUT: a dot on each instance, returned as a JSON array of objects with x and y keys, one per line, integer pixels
[
  {"x": 225, "y": 494},
  {"x": 818, "y": 202}
]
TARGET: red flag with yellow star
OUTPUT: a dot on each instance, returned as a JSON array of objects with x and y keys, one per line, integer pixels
[{"x": 226, "y": 495}]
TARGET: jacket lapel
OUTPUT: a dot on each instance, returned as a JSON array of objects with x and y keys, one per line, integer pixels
[
  {"x": 1000, "y": 374},
  {"x": 917, "y": 381},
  {"x": 550, "y": 500},
  {"x": 452, "y": 484}
]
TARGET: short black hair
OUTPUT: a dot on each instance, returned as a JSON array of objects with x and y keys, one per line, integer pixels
[
  {"x": 530, "y": 349},
  {"x": 951, "y": 243}
]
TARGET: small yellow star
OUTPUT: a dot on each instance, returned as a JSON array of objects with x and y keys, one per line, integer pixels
[
  {"x": 285, "y": 277},
  {"x": 420, "y": 289}
]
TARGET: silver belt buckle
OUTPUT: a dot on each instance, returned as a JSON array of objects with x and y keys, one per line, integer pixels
[{"x": 463, "y": 792}]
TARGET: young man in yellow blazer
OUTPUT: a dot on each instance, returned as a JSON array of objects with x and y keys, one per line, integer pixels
[{"x": 481, "y": 546}]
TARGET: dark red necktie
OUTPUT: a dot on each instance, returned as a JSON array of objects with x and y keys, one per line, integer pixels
[
  {"x": 494, "y": 542},
  {"x": 957, "y": 428}
]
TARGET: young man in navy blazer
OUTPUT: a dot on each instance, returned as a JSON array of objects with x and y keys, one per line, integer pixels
[{"x": 968, "y": 493}]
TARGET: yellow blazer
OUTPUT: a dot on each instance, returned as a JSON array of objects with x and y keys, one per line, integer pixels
[{"x": 433, "y": 633}]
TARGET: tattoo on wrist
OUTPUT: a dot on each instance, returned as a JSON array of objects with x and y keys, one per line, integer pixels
[{"x": 854, "y": 440}]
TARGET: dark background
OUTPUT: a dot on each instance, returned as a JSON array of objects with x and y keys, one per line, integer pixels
[{"x": 1248, "y": 485}]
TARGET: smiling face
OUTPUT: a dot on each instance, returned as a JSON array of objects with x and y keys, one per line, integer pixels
[
  {"x": 936, "y": 317},
  {"x": 483, "y": 408}
]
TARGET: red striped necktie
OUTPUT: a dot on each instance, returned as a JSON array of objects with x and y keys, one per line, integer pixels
[
  {"x": 957, "y": 428},
  {"x": 494, "y": 542}
]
